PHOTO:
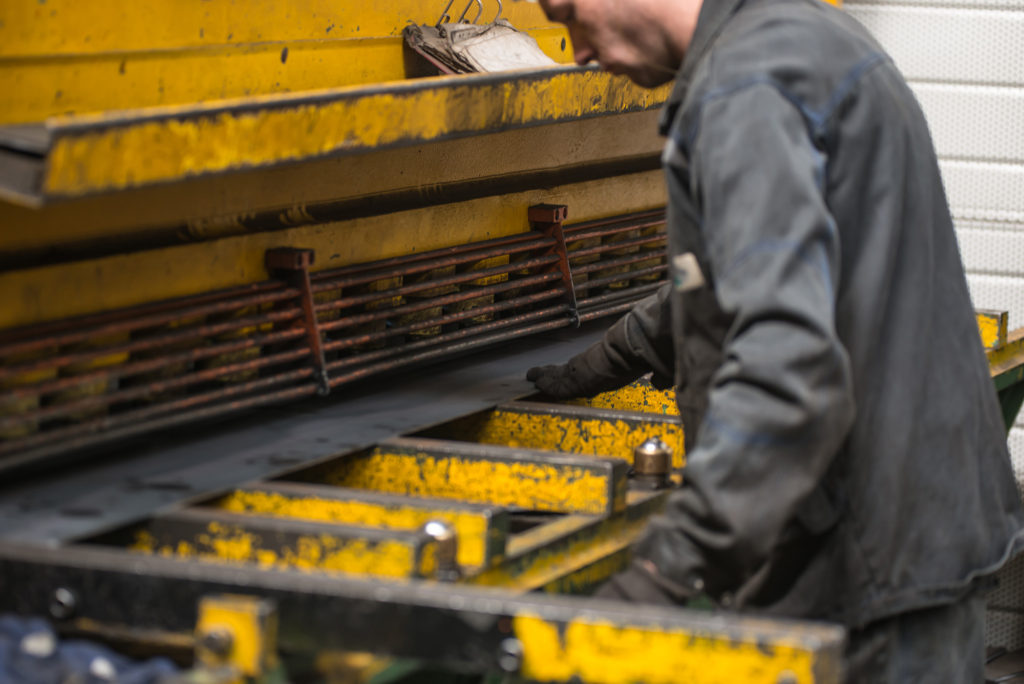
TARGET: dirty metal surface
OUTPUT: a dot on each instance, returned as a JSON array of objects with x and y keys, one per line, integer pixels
[
  {"x": 560, "y": 638},
  {"x": 136, "y": 477}
]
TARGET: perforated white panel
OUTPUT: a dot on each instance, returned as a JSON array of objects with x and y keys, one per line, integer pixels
[
  {"x": 991, "y": 248},
  {"x": 933, "y": 4},
  {"x": 983, "y": 191},
  {"x": 965, "y": 61},
  {"x": 979, "y": 123},
  {"x": 949, "y": 44}
]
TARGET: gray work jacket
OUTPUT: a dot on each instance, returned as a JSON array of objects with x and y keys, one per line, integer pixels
[{"x": 846, "y": 455}]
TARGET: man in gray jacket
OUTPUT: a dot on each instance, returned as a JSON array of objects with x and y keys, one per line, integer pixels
[{"x": 846, "y": 458}]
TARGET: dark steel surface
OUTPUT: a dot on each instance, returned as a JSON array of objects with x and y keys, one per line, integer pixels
[
  {"x": 456, "y": 625},
  {"x": 132, "y": 478}
]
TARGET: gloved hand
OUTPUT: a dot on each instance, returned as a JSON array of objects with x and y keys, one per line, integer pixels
[
  {"x": 570, "y": 380},
  {"x": 636, "y": 344},
  {"x": 642, "y": 583}
]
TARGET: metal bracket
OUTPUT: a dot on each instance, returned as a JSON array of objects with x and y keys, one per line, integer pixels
[
  {"x": 294, "y": 264},
  {"x": 548, "y": 219},
  {"x": 239, "y": 632}
]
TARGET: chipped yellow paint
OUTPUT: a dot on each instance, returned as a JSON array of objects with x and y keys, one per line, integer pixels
[
  {"x": 601, "y": 652},
  {"x": 636, "y": 396},
  {"x": 472, "y": 529},
  {"x": 253, "y": 629},
  {"x": 40, "y": 294},
  {"x": 531, "y": 485},
  {"x": 572, "y": 434},
  {"x": 61, "y": 56},
  {"x": 311, "y": 553},
  {"x": 127, "y": 153},
  {"x": 993, "y": 326},
  {"x": 213, "y": 210}
]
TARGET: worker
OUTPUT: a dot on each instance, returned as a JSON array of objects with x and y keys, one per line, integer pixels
[{"x": 846, "y": 458}]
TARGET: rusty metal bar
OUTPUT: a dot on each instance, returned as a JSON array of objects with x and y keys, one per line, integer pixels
[
  {"x": 132, "y": 368},
  {"x": 592, "y": 314},
  {"x": 625, "y": 244},
  {"x": 457, "y": 279},
  {"x": 632, "y": 295},
  {"x": 453, "y": 350},
  {"x": 614, "y": 224},
  {"x": 379, "y": 354},
  {"x": 155, "y": 387},
  {"x": 138, "y": 416},
  {"x": 409, "y": 266},
  {"x": 136, "y": 319},
  {"x": 295, "y": 264},
  {"x": 381, "y": 314},
  {"x": 576, "y": 234},
  {"x": 614, "y": 263},
  {"x": 618, "y": 277},
  {"x": 134, "y": 312},
  {"x": 442, "y": 320},
  {"x": 548, "y": 218},
  {"x": 485, "y": 245},
  {"x": 148, "y": 342},
  {"x": 125, "y": 429}
]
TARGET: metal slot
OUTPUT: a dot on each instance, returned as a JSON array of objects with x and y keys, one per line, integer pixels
[
  {"x": 568, "y": 429},
  {"x": 573, "y": 554},
  {"x": 481, "y": 473}
]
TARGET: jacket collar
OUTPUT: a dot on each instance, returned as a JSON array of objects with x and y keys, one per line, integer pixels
[{"x": 714, "y": 15}]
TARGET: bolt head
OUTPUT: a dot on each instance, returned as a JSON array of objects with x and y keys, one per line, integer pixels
[
  {"x": 510, "y": 655},
  {"x": 217, "y": 641},
  {"x": 63, "y": 603}
]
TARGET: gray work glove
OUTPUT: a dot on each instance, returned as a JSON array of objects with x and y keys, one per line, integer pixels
[
  {"x": 629, "y": 349},
  {"x": 584, "y": 376},
  {"x": 642, "y": 583}
]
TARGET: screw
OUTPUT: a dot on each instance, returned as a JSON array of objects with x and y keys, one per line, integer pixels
[
  {"x": 217, "y": 641},
  {"x": 787, "y": 677},
  {"x": 63, "y": 603},
  {"x": 447, "y": 549},
  {"x": 510, "y": 655}
]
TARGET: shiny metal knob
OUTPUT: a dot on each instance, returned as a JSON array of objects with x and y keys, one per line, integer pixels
[{"x": 652, "y": 463}]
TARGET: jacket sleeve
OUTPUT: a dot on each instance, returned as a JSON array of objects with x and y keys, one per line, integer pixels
[
  {"x": 640, "y": 342},
  {"x": 780, "y": 404}
]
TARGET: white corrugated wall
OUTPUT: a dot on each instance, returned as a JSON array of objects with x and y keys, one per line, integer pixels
[{"x": 965, "y": 61}]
